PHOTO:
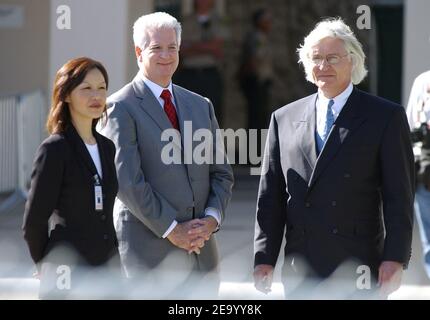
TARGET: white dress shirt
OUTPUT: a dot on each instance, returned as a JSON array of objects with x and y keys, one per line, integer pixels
[
  {"x": 322, "y": 103},
  {"x": 157, "y": 90},
  {"x": 95, "y": 155}
]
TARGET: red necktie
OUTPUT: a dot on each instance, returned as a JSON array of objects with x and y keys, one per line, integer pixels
[{"x": 169, "y": 108}]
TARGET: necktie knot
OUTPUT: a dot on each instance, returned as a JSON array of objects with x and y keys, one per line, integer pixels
[{"x": 165, "y": 95}]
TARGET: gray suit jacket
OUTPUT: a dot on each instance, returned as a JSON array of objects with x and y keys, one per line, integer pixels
[{"x": 153, "y": 194}]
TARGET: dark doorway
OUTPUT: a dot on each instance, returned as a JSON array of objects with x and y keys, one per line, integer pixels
[{"x": 389, "y": 37}]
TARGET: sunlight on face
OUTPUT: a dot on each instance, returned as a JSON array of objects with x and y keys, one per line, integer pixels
[
  {"x": 160, "y": 58},
  {"x": 331, "y": 79},
  {"x": 87, "y": 101}
]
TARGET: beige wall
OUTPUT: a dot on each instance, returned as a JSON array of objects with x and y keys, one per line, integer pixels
[
  {"x": 98, "y": 30},
  {"x": 24, "y": 53}
]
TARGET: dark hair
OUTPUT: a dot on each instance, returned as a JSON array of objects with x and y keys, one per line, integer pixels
[{"x": 68, "y": 77}]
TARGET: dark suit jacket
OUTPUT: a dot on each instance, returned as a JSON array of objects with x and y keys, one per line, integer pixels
[
  {"x": 333, "y": 206},
  {"x": 62, "y": 180}
]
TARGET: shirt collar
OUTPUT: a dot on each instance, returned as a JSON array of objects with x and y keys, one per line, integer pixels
[
  {"x": 339, "y": 100},
  {"x": 155, "y": 88}
]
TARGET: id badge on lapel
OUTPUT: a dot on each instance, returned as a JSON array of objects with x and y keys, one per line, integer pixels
[{"x": 98, "y": 194}]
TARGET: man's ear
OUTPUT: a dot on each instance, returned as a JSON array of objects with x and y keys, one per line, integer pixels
[
  {"x": 353, "y": 63},
  {"x": 138, "y": 52},
  {"x": 353, "y": 60}
]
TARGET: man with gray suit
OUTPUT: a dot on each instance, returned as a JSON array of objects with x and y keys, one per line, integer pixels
[
  {"x": 339, "y": 181},
  {"x": 166, "y": 213}
]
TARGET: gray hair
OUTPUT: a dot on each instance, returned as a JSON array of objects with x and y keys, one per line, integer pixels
[
  {"x": 335, "y": 28},
  {"x": 153, "y": 21}
]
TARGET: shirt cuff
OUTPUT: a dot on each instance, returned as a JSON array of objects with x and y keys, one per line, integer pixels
[
  {"x": 172, "y": 226},
  {"x": 213, "y": 213}
]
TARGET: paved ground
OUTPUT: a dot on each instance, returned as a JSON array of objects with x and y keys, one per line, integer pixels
[{"x": 235, "y": 242}]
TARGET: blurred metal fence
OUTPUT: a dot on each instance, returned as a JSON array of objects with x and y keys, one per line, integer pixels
[
  {"x": 8, "y": 142},
  {"x": 22, "y": 120}
]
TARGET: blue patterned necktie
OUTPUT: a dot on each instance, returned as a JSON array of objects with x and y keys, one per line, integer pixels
[{"x": 329, "y": 120}]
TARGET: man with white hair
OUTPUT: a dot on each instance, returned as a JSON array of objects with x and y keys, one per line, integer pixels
[
  {"x": 339, "y": 181},
  {"x": 166, "y": 212}
]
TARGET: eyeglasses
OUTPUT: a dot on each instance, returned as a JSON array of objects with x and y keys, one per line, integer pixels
[{"x": 331, "y": 59}]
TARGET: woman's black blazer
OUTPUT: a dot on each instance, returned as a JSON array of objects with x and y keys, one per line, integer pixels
[{"x": 62, "y": 181}]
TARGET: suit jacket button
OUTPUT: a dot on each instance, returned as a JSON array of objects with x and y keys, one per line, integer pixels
[
  {"x": 346, "y": 175},
  {"x": 333, "y": 203},
  {"x": 307, "y": 204},
  {"x": 190, "y": 209},
  {"x": 335, "y": 231},
  {"x": 103, "y": 217},
  {"x": 105, "y": 237}
]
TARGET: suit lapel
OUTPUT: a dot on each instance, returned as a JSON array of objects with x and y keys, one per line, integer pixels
[
  {"x": 184, "y": 114},
  {"x": 150, "y": 105},
  {"x": 306, "y": 132},
  {"x": 347, "y": 122},
  {"x": 81, "y": 150},
  {"x": 183, "y": 109}
]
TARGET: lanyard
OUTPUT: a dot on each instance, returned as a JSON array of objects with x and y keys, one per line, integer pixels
[{"x": 98, "y": 193}]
